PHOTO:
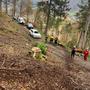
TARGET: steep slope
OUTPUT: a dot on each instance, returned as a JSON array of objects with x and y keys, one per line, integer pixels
[
  {"x": 13, "y": 39},
  {"x": 19, "y": 71}
]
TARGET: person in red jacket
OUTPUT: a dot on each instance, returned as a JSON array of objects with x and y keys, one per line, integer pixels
[{"x": 86, "y": 53}]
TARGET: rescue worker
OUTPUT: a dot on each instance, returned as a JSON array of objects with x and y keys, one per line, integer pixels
[
  {"x": 51, "y": 39},
  {"x": 73, "y": 52},
  {"x": 86, "y": 53},
  {"x": 56, "y": 40}
]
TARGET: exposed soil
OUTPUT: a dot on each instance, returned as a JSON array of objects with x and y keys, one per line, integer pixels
[{"x": 19, "y": 71}]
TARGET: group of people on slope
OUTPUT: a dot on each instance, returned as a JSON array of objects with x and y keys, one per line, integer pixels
[{"x": 85, "y": 53}]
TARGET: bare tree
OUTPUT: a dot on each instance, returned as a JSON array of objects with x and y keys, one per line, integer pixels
[
  {"x": 14, "y": 7},
  {"x": 84, "y": 20},
  {"x": 0, "y": 5},
  {"x": 21, "y": 7},
  {"x": 86, "y": 31},
  {"x": 28, "y": 9},
  {"x": 6, "y": 6}
]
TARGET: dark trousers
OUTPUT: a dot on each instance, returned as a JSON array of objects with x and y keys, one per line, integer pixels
[{"x": 72, "y": 55}]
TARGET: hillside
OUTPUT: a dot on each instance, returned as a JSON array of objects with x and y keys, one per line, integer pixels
[
  {"x": 19, "y": 71},
  {"x": 13, "y": 39}
]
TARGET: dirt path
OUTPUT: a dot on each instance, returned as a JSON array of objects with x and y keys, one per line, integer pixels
[
  {"x": 61, "y": 53},
  {"x": 57, "y": 51}
]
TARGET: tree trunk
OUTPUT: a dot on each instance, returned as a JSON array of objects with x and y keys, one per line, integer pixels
[
  {"x": 80, "y": 42},
  {"x": 14, "y": 7},
  {"x": 0, "y": 5},
  {"x": 36, "y": 15},
  {"x": 27, "y": 17},
  {"x": 28, "y": 9},
  {"x": 21, "y": 4},
  {"x": 48, "y": 17},
  {"x": 6, "y": 6},
  {"x": 86, "y": 31}
]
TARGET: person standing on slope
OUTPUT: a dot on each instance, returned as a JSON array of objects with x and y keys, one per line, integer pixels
[
  {"x": 86, "y": 53},
  {"x": 73, "y": 52}
]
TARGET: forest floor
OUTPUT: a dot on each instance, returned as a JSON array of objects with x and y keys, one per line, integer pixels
[{"x": 19, "y": 71}]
